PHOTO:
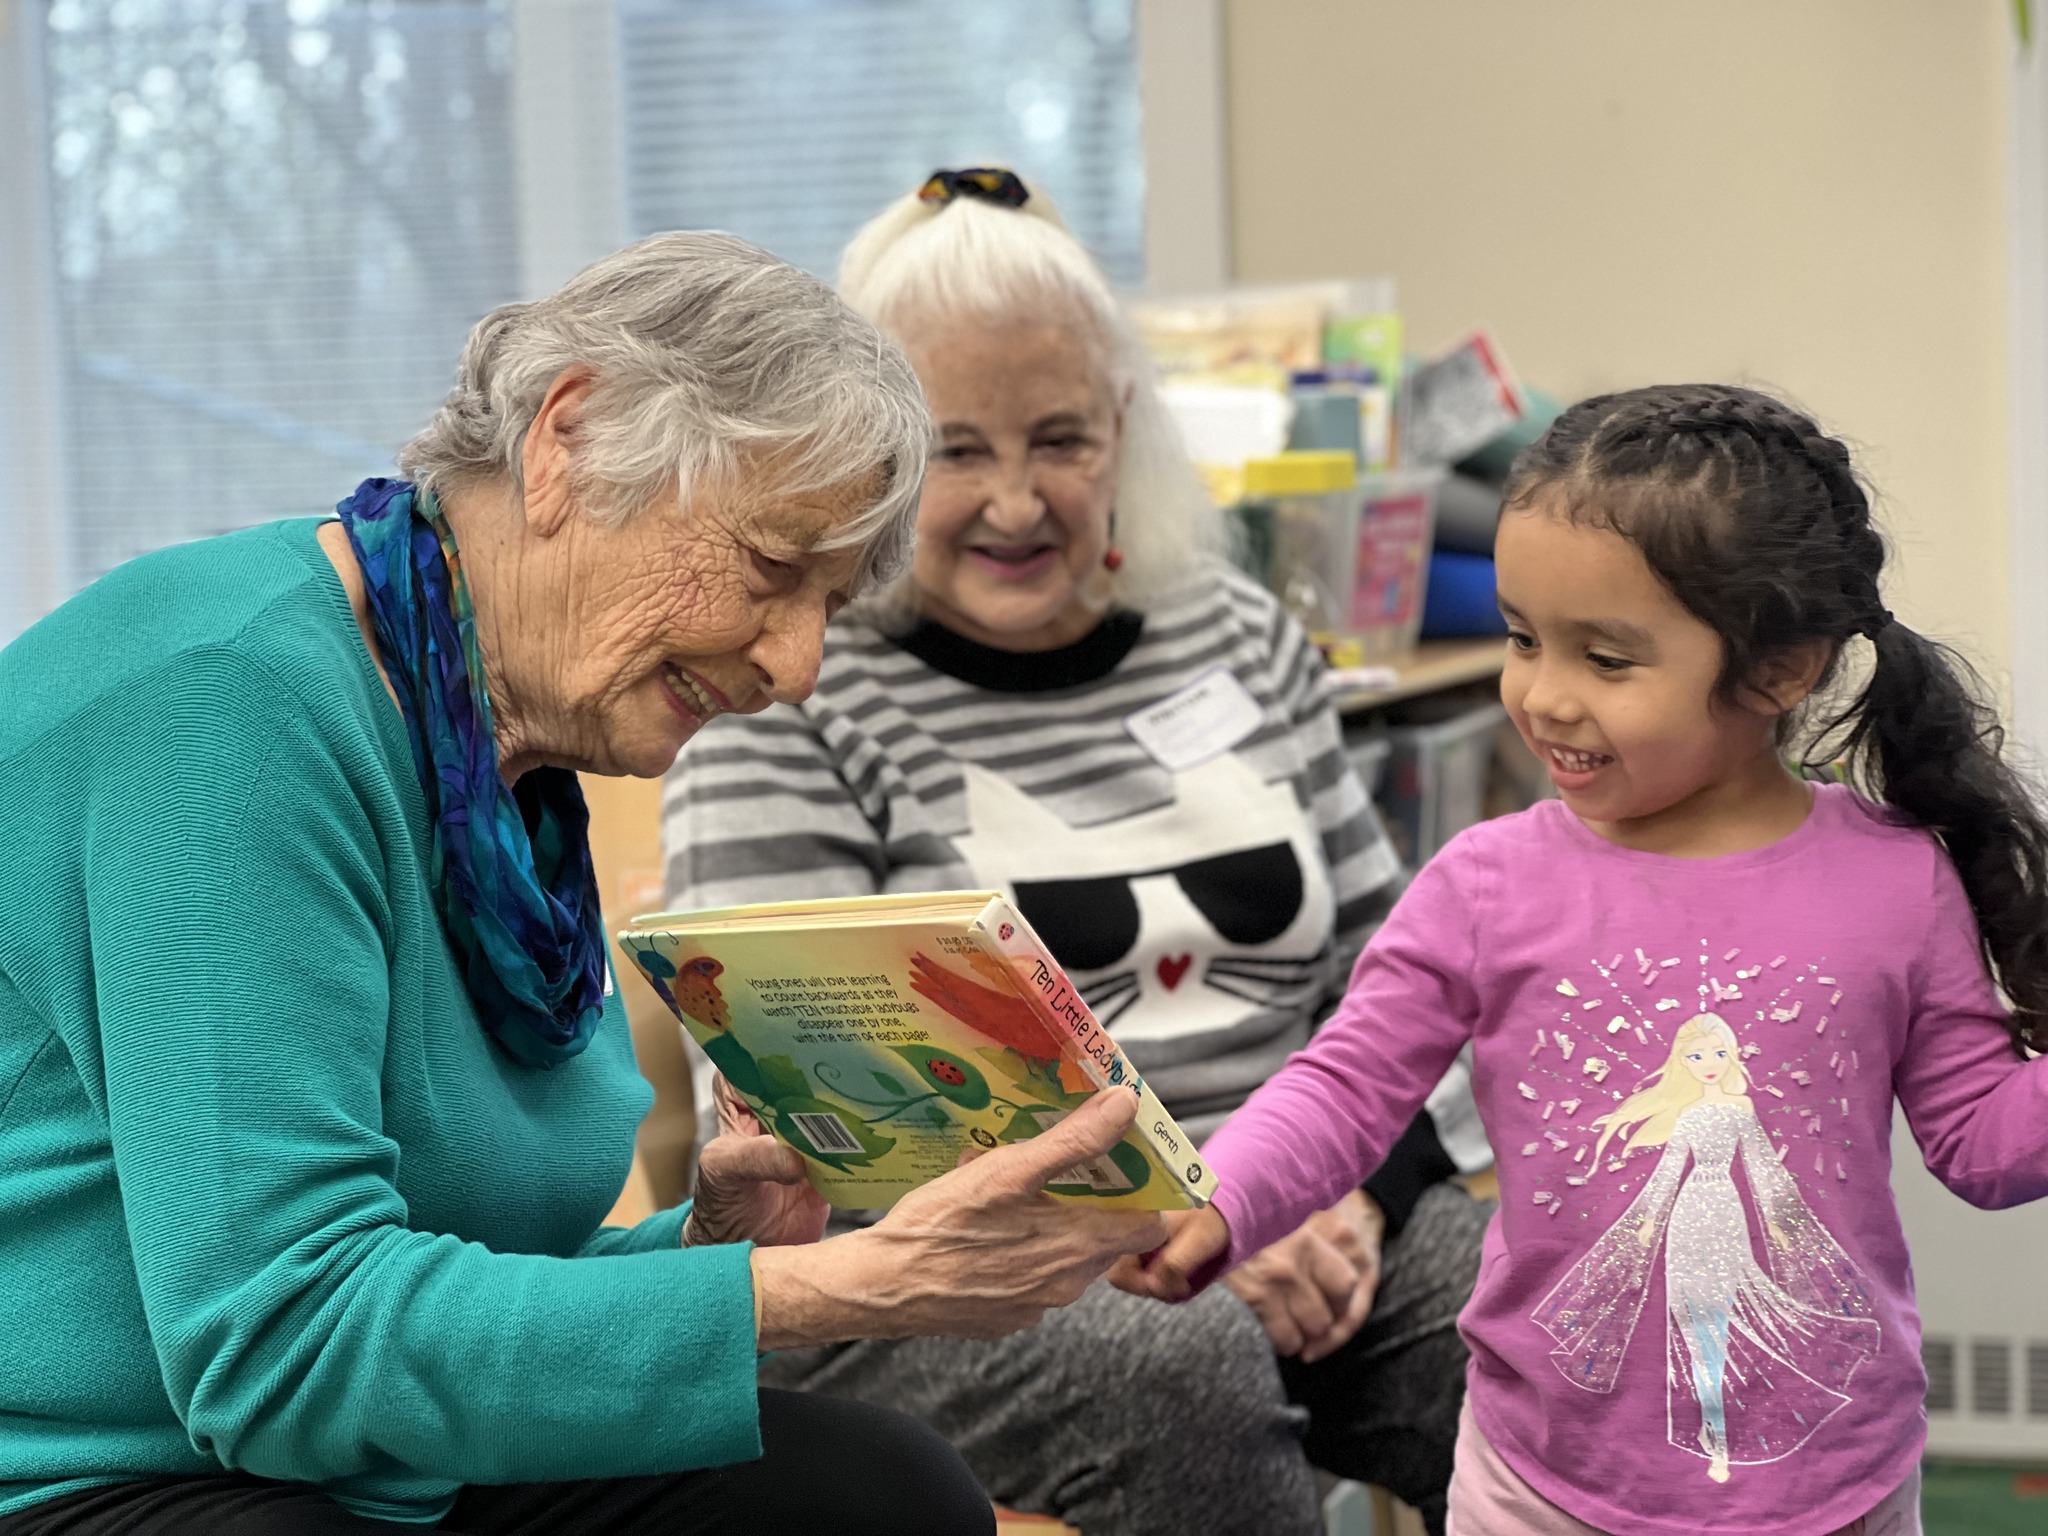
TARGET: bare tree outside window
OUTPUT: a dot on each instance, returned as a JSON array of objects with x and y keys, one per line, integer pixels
[
  {"x": 274, "y": 222},
  {"x": 271, "y": 223},
  {"x": 792, "y": 121}
]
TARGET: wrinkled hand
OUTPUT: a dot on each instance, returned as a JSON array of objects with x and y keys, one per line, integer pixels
[
  {"x": 750, "y": 1187},
  {"x": 1314, "y": 1288},
  {"x": 979, "y": 1252}
]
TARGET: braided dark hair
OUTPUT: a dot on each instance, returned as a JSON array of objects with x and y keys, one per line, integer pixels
[{"x": 1755, "y": 520}]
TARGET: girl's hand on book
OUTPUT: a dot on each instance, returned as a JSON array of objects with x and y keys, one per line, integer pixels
[
  {"x": 750, "y": 1187},
  {"x": 1195, "y": 1241},
  {"x": 1314, "y": 1288}
]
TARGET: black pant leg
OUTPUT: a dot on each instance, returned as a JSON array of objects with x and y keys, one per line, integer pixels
[
  {"x": 826, "y": 1464},
  {"x": 1384, "y": 1408},
  {"x": 230, "y": 1505},
  {"x": 1382, "y": 1420}
]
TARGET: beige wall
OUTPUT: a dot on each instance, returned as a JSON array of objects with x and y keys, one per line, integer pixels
[{"x": 1803, "y": 194}]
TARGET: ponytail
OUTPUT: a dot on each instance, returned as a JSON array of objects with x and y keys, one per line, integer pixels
[{"x": 1922, "y": 740}]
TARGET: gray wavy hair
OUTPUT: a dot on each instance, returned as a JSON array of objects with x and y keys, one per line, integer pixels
[
  {"x": 970, "y": 261},
  {"x": 712, "y": 360}
]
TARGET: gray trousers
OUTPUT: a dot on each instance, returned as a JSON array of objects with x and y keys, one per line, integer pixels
[{"x": 1127, "y": 1418}]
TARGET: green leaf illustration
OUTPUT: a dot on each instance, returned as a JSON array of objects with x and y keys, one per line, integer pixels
[
  {"x": 782, "y": 1078},
  {"x": 737, "y": 1067},
  {"x": 1129, "y": 1160}
]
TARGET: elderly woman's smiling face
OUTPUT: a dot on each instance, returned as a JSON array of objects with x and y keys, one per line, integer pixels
[
  {"x": 682, "y": 615},
  {"x": 608, "y": 646},
  {"x": 1014, "y": 519}
]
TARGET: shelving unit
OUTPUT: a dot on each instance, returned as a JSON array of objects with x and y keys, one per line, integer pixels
[{"x": 1432, "y": 667}]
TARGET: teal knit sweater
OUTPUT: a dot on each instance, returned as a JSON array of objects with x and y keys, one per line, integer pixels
[{"x": 270, "y": 1200}]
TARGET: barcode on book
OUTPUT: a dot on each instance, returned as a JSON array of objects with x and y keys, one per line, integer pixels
[
  {"x": 1101, "y": 1174},
  {"x": 827, "y": 1132}
]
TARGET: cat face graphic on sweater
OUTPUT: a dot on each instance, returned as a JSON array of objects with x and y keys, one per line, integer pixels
[{"x": 1181, "y": 920}]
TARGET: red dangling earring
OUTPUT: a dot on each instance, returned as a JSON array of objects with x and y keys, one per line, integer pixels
[{"x": 1113, "y": 558}]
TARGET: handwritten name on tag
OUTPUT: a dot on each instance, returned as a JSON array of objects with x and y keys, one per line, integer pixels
[{"x": 1203, "y": 720}]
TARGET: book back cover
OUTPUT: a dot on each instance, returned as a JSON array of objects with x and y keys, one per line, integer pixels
[{"x": 887, "y": 1052}]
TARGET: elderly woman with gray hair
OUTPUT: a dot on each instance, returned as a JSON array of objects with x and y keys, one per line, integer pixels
[
  {"x": 314, "y": 1089},
  {"x": 1072, "y": 698}
]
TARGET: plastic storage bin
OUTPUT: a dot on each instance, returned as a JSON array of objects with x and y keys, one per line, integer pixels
[
  {"x": 1390, "y": 534},
  {"x": 1303, "y": 507},
  {"x": 1349, "y": 558},
  {"x": 1436, "y": 778}
]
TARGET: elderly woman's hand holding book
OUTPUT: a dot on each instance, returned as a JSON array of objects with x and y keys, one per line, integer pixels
[{"x": 977, "y": 1253}]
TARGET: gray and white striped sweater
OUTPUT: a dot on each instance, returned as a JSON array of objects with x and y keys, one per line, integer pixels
[{"x": 1209, "y": 916}]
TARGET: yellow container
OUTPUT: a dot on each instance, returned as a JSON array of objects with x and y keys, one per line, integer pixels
[{"x": 1307, "y": 472}]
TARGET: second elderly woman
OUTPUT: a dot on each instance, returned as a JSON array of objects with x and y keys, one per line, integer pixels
[{"x": 1074, "y": 700}]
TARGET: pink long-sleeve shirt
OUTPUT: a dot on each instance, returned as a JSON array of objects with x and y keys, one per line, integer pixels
[{"x": 1723, "y": 1285}]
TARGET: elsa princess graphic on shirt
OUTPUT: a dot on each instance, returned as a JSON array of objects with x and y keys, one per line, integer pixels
[{"x": 1758, "y": 1355}]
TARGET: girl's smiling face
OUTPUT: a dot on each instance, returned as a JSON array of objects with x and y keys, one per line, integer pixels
[{"x": 1612, "y": 683}]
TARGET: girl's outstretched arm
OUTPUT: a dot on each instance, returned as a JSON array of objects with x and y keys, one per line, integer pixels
[
  {"x": 1979, "y": 1113},
  {"x": 1322, "y": 1124}
]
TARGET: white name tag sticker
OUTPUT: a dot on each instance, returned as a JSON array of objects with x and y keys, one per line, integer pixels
[{"x": 1203, "y": 720}]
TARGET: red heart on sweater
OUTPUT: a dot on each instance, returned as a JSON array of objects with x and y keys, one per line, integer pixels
[{"x": 1173, "y": 967}]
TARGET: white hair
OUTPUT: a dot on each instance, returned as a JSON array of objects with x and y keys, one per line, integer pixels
[
  {"x": 976, "y": 262},
  {"x": 713, "y": 363}
]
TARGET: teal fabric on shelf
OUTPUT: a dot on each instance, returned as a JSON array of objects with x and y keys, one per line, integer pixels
[
  {"x": 270, "y": 1199},
  {"x": 1492, "y": 461}
]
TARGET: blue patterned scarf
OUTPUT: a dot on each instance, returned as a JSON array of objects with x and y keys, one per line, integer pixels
[{"x": 510, "y": 867}]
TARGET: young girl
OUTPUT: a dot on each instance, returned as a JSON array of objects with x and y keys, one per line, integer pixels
[{"x": 1695, "y": 985}]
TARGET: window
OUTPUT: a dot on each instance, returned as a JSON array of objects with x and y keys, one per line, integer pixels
[
  {"x": 790, "y": 122},
  {"x": 241, "y": 241},
  {"x": 272, "y": 222}
]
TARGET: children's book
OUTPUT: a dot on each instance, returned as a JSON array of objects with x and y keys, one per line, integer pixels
[{"x": 889, "y": 1039}]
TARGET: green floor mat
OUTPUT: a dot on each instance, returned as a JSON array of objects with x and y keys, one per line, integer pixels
[{"x": 1959, "y": 1498}]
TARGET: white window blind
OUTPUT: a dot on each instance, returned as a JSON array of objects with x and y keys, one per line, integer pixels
[
  {"x": 272, "y": 224},
  {"x": 791, "y": 122},
  {"x": 254, "y": 233}
]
